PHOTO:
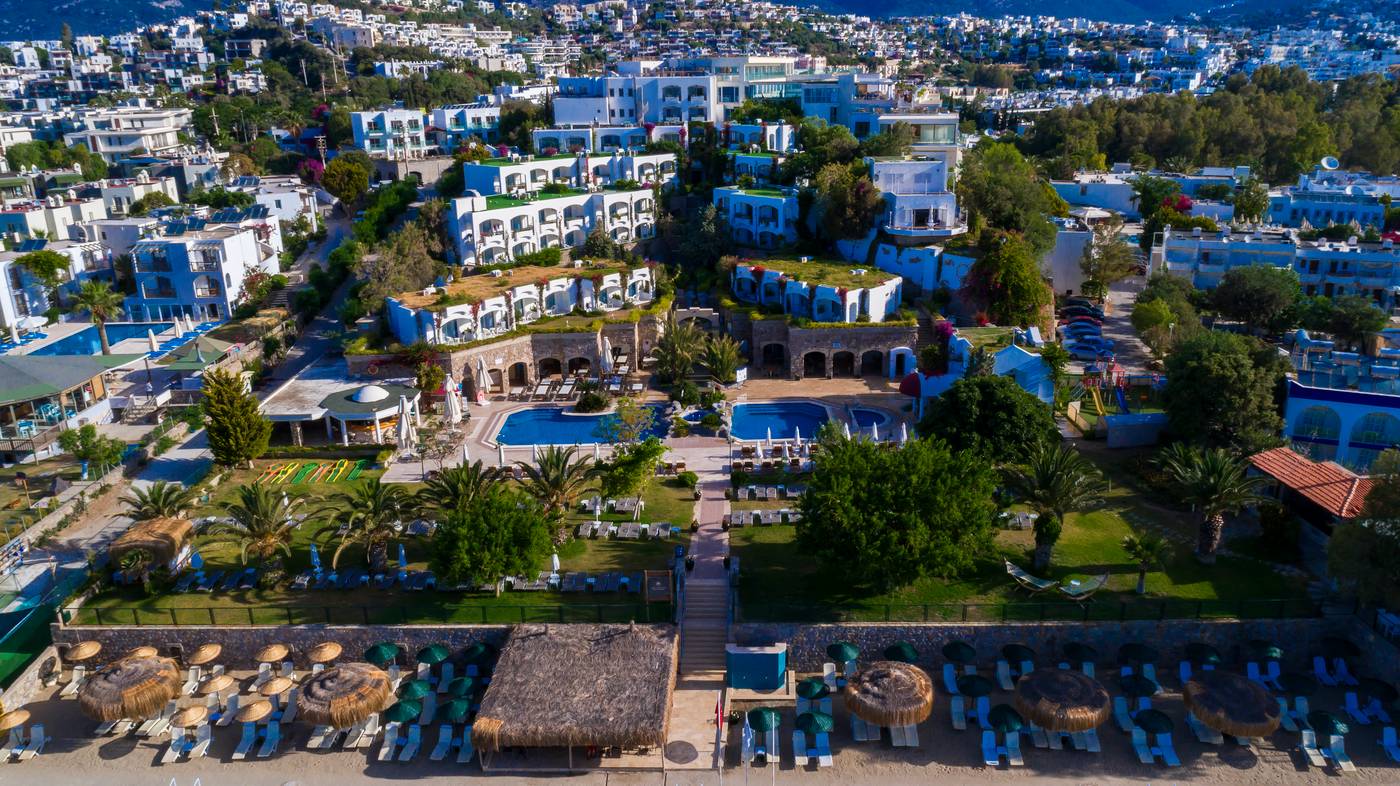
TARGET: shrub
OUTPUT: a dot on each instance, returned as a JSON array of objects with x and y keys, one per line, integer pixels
[
  {"x": 712, "y": 421},
  {"x": 686, "y": 393},
  {"x": 545, "y": 257},
  {"x": 738, "y": 479},
  {"x": 688, "y": 479},
  {"x": 709, "y": 398},
  {"x": 591, "y": 402},
  {"x": 680, "y": 427}
]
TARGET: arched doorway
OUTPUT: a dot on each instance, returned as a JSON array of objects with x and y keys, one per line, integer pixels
[
  {"x": 775, "y": 356},
  {"x": 872, "y": 363},
  {"x": 518, "y": 374},
  {"x": 579, "y": 364},
  {"x": 550, "y": 367},
  {"x": 493, "y": 376},
  {"x": 814, "y": 364},
  {"x": 843, "y": 364},
  {"x": 901, "y": 362}
]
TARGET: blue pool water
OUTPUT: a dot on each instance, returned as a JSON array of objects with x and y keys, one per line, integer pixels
[
  {"x": 87, "y": 342},
  {"x": 552, "y": 426},
  {"x": 865, "y": 418},
  {"x": 784, "y": 418}
]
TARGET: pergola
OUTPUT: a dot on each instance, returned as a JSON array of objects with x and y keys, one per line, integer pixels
[{"x": 368, "y": 406}]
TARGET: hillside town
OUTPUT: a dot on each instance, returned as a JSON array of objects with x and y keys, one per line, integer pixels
[{"x": 667, "y": 392}]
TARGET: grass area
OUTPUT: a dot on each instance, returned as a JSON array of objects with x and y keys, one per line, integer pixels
[
  {"x": 476, "y": 288},
  {"x": 497, "y": 201},
  {"x": 17, "y": 511},
  {"x": 990, "y": 337},
  {"x": 825, "y": 272},
  {"x": 504, "y": 161}
]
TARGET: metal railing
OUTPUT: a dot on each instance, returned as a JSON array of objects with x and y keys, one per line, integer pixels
[
  {"x": 349, "y": 614},
  {"x": 1033, "y": 611}
]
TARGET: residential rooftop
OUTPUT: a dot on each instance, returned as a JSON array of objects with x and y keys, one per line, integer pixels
[
  {"x": 478, "y": 287},
  {"x": 826, "y": 272},
  {"x": 498, "y": 201}
]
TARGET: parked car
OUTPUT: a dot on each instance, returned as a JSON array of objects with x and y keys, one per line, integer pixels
[
  {"x": 1081, "y": 311},
  {"x": 1087, "y": 320},
  {"x": 1081, "y": 329},
  {"x": 1095, "y": 341},
  {"x": 1077, "y": 301},
  {"x": 1088, "y": 352}
]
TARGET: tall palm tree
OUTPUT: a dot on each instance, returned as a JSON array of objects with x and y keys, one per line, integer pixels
[
  {"x": 1055, "y": 482},
  {"x": 103, "y": 303},
  {"x": 453, "y": 488},
  {"x": 260, "y": 523},
  {"x": 1216, "y": 484},
  {"x": 161, "y": 499},
  {"x": 677, "y": 349},
  {"x": 559, "y": 478},
  {"x": 721, "y": 357},
  {"x": 374, "y": 510},
  {"x": 1148, "y": 551}
]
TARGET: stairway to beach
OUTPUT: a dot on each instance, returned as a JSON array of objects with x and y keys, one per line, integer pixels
[{"x": 705, "y": 627}]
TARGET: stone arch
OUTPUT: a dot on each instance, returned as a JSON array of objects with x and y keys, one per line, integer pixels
[
  {"x": 872, "y": 363},
  {"x": 550, "y": 367},
  {"x": 843, "y": 364},
  {"x": 518, "y": 374},
  {"x": 580, "y": 363},
  {"x": 701, "y": 323},
  {"x": 814, "y": 364},
  {"x": 903, "y": 361},
  {"x": 774, "y": 355},
  {"x": 495, "y": 380}
]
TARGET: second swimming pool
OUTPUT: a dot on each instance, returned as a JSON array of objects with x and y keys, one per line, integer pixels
[
  {"x": 556, "y": 426},
  {"x": 778, "y": 419}
]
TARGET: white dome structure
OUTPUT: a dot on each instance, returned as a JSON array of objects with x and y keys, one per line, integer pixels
[{"x": 370, "y": 394}]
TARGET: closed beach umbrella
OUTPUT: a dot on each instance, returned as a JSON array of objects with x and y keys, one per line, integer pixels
[
  {"x": 254, "y": 712},
  {"x": 1062, "y": 700},
  {"x": 453, "y": 405},
  {"x": 325, "y": 652},
  {"x": 404, "y": 710},
  {"x": 959, "y": 652},
  {"x": 271, "y": 653},
  {"x": 454, "y": 711},
  {"x": 903, "y": 433},
  {"x": 1296, "y": 684},
  {"x": 1136, "y": 685},
  {"x": 813, "y": 688},
  {"x": 382, "y": 653},
  {"x": 975, "y": 685},
  {"x": 151, "y": 342},
  {"x": 1380, "y": 690},
  {"x": 13, "y": 719},
  {"x": 890, "y": 693},
  {"x": 901, "y": 651},
  {"x": 1136, "y": 652},
  {"x": 433, "y": 654},
  {"x": 842, "y": 651},
  {"x": 205, "y": 654},
  {"x": 1338, "y": 647},
  {"x": 405, "y": 427},
  {"x": 1017, "y": 653},
  {"x": 1326, "y": 724},
  {"x": 1079, "y": 652},
  {"x": 146, "y": 651},
  {"x": 1153, "y": 721},
  {"x": 415, "y": 689},
  {"x": 846, "y": 430},
  {"x": 1231, "y": 704},
  {"x": 764, "y": 718},
  {"x": 1261, "y": 649},
  {"x": 461, "y": 686},
  {"x": 815, "y": 723},
  {"x": 1005, "y": 719},
  {"x": 14, "y": 334},
  {"x": 343, "y": 695},
  {"x": 190, "y": 716},
  {"x": 130, "y": 688},
  {"x": 875, "y": 432},
  {"x": 500, "y": 455},
  {"x": 82, "y": 651},
  {"x": 276, "y": 686},
  {"x": 216, "y": 684},
  {"x": 1202, "y": 654}
]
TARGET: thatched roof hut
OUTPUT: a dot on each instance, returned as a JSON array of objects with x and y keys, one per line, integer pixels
[
  {"x": 1062, "y": 700},
  {"x": 1231, "y": 703},
  {"x": 162, "y": 538},
  {"x": 344, "y": 695},
  {"x": 565, "y": 686},
  {"x": 130, "y": 688},
  {"x": 890, "y": 693}
]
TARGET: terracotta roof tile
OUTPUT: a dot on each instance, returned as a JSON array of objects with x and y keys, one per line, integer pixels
[{"x": 1333, "y": 487}]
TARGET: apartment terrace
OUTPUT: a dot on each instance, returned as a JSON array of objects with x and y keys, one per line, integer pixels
[
  {"x": 508, "y": 161},
  {"x": 479, "y": 287},
  {"x": 498, "y": 201},
  {"x": 824, "y": 272}
]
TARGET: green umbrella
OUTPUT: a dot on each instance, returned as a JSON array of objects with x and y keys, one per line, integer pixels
[
  {"x": 1338, "y": 647},
  {"x": 959, "y": 652},
  {"x": 901, "y": 651},
  {"x": 842, "y": 651},
  {"x": 382, "y": 653},
  {"x": 1153, "y": 721},
  {"x": 1136, "y": 685},
  {"x": 815, "y": 723},
  {"x": 414, "y": 689},
  {"x": 462, "y": 686},
  {"x": 434, "y": 654},
  {"x": 404, "y": 711},
  {"x": 1134, "y": 652},
  {"x": 975, "y": 685},
  {"x": 479, "y": 653},
  {"x": 454, "y": 711},
  {"x": 1296, "y": 684},
  {"x": 1005, "y": 719},
  {"x": 1016, "y": 653},
  {"x": 1078, "y": 652},
  {"x": 1325, "y": 723},
  {"x": 1260, "y": 649},
  {"x": 1203, "y": 654},
  {"x": 764, "y": 718},
  {"x": 813, "y": 688},
  {"x": 1378, "y": 689}
]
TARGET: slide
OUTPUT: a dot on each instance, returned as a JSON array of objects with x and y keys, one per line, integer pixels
[
  {"x": 305, "y": 470},
  {"x": 338, "y": 471},
  {"x": 270, "y": 472},
  {"x": 286, "y": 473},
  {"x": 359, "y": 467},
  {"x": 1122, "y": 401},
  {"x": 1098, "y": 402}
]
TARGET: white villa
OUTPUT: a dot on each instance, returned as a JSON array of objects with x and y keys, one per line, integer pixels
[
  {"x": 819, "y": 290},
  {"x": 494, "y": 229},
  {"x": 919, "y": 193},
  {"x": 518, "y": 175}
]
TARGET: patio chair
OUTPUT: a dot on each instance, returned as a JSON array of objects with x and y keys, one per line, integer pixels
[
  {"x": 1354, "y": 710},
  {"x": 1337, "y": 750},
  {"x": 959, "y": 713},
  {"x": 1166, "y": 750},
  {"x": 1388, "y": 741},
  {"x": 246, "y": 742},
  {"x": 990, "y": 755},
  {"x": 411, "y": 743},
  {"x": 444, "y": 743},
  {"x": 1028, "y": 582},
  {"x": 271, "y": 741},
  {"x": 1085, "y": 590},
  {"x": 465, "y": 750},
  {"x": 391, "y": 741},
  {"x": 1321, "y": 672},
  {"x": 35, "y": 745},
  {"x": 203, "y": 737},
  {"x": 1140, "y": 746}
]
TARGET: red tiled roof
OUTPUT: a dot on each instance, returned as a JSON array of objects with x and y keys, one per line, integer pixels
[{"x": 1333, "y": 487}]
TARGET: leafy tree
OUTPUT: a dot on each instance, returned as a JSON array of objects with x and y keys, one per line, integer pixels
[
  {"x": 1260, "y": 296},
  {"x": 678, "y": 349},
  {"x": 1215, "y": 484},
  {"x": 882, "y": 518},
  {"x": 1055, "y": 482},
  {"x": 980, "y": 363},
  {"x": 347, "y": 181},
  {"x": 1152, "y": 193},
  {"x": 847, "y": 201},
  {"x": 1148, "y": 551},
  {"x": 558, "y": 479},
  {"x": 1007, "y": 279},
  {"x": 722, "y": 358},
  {"x": 367, "y": 515},
  {"x": 993, "y": 415},
  {"x": 219, "y": 198},
  {"x": 1001, "y": 190},
  {"x": 755, "y": 110},
  {"x": 90, "y": 447},
  {"x": 238, "y": 432},
  {"x": 161, "y": 499},
  {"x": 149, "y": 202},
  {"x": 1220, "y": 392},
  {"x": 456, "y": 487},
  {"x": 498, "y": 533},
  {"x": 1364, "y": 551},
  {"x": 897, "y": 140},
  {"x": 50, "y": 268},
  {"x": 1107, "y": 259},
  {"x": 103, "y": 304},
  {"x": 1056, "y": 358},
  {"x": 819, "y": 144},
  {"x": 1353, "y": 318},
  {"x": 1155, "y": 322},
  {"x": 259, "y": 523},
  {"x": 632, "y": 464},
  {"x": 1170, "y": 217},
  {"x": 1252, "y": 201},
  {"x": 518, "y": 119},
  {"x": 402, "y": 264},
  {"x": 706, "y": 239}
]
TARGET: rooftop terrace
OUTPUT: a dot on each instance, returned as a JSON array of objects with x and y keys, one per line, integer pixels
[
  {"x": 478, "y": 287},
  {"x": 826, "y": 272},
  {"x": 502, "y": 200}
]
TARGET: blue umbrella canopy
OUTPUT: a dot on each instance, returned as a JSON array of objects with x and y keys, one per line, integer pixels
[
  {"x": 813, "y": 688},
  {"x": 815, "y": 723}
]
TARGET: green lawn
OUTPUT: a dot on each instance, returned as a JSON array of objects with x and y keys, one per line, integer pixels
[
  {"x": 990, "y": 337},
  {"x": 16, "y": 511}
]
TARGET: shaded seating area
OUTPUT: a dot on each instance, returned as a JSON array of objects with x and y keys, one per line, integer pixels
[
  {"x": 1028, "y": 582},
  {"x": 166, "y": 540}
]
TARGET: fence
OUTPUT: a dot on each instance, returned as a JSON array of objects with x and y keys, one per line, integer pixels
[
  {"x": 1093, "y": 611},
  {"x": 421, "y": 614}
]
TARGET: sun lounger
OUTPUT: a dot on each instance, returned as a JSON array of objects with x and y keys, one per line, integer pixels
[
  {"x": 1004, "y": 676},
  {"x": 822, "y": 745},
  {"x": 1038, "y": 737},
  {"x": 1354, "y": 710},
  {"x": 208, "y": 582},
  {"x": 990, "y": 755},
  {"x": 154, "y": 727},
  {"x": 801, "y": 754},
  {"x": 289, "y": 712},
  {"x": 1376, "y": 711},
  {"x": 1307, "y": 743},
  {"x": 1388, "y": 741},
  {"x": 192, "y": 680},
  {"x": 950, "y": 679},
  {"x": 367, "y": 735},
  {"x": 1340, "y": 671},
  {"x": 1285, "y": 716},
  {"x": 271, "y": 741},
  {"x": 75, "y": 681},
  {"x": 861, "y": 731},
  {"x": 465, "y": 750},
  {"x": 411, "y": 742},
  {"x": 1084, "y": 590},
  {"x": 1091, "y": 741},
  {"x": 246, "y": 742},
  {"x": 13, "y": 744},
  {"x": 264, "y": 674},
  {"x": 35, "y": 745},
  {"x": 176, "y": 748},
  {"x": 1140, "y": 746},
  {"x": 429, "y": 709},
  {"x": 1121, "y": 714},
  {"x": 1320, "y": 671},
  {"x": 322, "y": 738},
  {"x": 444, "y": 745},
  {"x": 391, "y": 741},
  {"x": 959, "y": 713},
  {"x": 982, "y": 707},
  {"x": 231, "y": 709},
  {"x": 1013, "y": 749},
  {"x": 1166, "y": 750},
  {"x": 203, "y": 736},
  {"x": 1337, "y": 751},
  {"x": 186, "y": 581},
  {"x": 1203, "y": 732},
  {"x": 898, "y": 738},
  {"x": 1028, "y": 582}
]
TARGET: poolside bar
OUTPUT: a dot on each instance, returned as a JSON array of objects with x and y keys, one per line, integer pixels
[{"x": 41, "y": 396}]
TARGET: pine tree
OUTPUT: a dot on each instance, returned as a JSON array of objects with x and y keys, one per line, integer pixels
[{"x": 238, "y": 432}]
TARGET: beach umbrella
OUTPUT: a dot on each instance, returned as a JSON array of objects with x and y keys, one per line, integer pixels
[
  {"x": 1153, "y": 721},
  {"x": 1203, "y": 654},
  {"x": 797, "y": 436},
  {"x": 1017, "y": 653},
  {"x": 764, "y": 718},
  {"x": 434, "y": 654},
  {"x": 190, "y": 716},
  {"x": 276, "y": 686},
  {"x": 14, "y": 334},
  {"x": 13, "y": 719},
  {"x": 404, "y": 711},
  {"x": 1136, "y": 685},
  {"x": 534, "y": 454},
  {"x": 479, "y": 653},
  {"x": 461, "y": 687},
  {"x": 1079, "y": 652},
  {"x": 325, "y": 652},
  {"x": 1380, "y": 690},
  {"x": 144, "y": 651},
  {"x": 382, "y": 653},
  {"x": 770, "y": 437},
  {"x": 813, "y": 688},
  {"x": 875, "y": 432},
  {"x": 903, "y": 433},
  {"x": 454, "y": 711},
  {"x": 975, "y": 685},
  {"x": 842, "y": 651},
  {"x": 890, "y": 693},
  {"x": 403, "y": 559},
  {"x": 271, "y": 653},
  {"x": 1262, "y": 649},
  {"x": 129, "y": 688},
  {"x": 815, "y": 723},
  {"x": 343, "y": 695},
  {"x": 1326, "y": 724},
  {"x": 315, "y": 557},
  {"x": 846, "y": 430},
  {"x": 483, "y": 380},
  {"x": 597, "y": 452},
  {"x": 405, "y": 428},
  {"x": 1135, "y": 652},
  {"x": 151, "y": 342},
  {"x": 206, "y": 653},
  {"x": 1296, "y": 684},
  {"x": 959, "y": 652},
  {"x": 254, "y": 712},
  {"x": 554, "y": 562},
  {"x": 196, "y": 560},
  {"x": 1338, "y": 647},
  {"x": 216, "y": 684},
  {"x": 902, "y": 651},
  {"x": 453, "y": 406},
  {"x": 1005, "y": 719},
  {"x": 1231, "y": 703},
  {"x": 605, "y": 361},
  {"x": 1062, "y": 700},
  {"x": 82, "y": 651},
  {"x": 415, "y": 689}
]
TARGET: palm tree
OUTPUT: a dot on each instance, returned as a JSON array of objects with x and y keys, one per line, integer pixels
[
  {"x": 677, "y": 349},
  {"x": 161, "y": 500},
  {"x": 375, "y": 508},
  {"x": 1148, "y": 551},
  {"x": 1055, "y": 482},
  {"x": 559, "y": 479},
  {"x": 260, "y": 523},
  {"x": 1215, "y": 483},
  {"x": 451, "y": 489},
  {"x": 138, "y": 562},
  {"x": 721, "y": 358},
  {"x": 103, "y": 303}
]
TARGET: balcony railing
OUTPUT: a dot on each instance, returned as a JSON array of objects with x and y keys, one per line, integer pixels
[
  {"x": 164, "y": 294},
  {"x": 208, "y": 292}
]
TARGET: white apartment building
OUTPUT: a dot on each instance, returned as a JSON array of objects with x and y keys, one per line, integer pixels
[
  {"x": 119, "y": 194},
  {"x": 759, "y": 217},
  {"x": 284, "y": 197},
  {"x": 1329, "y": 195},
  {"x": 51, "y": 216},
  {"x": 22, "y": 295},
  {"x": 390, "y": 133},
  {"x": 492, "y": 229},
  {"x": 520, "y": 175},
  {"x": 456, "y": 124},
  {"x": 919, "y": 193},
  {"x": 801, "y": 288},
  {"x": 197, "y": 272},
  {"x": 119, "y": 132}
]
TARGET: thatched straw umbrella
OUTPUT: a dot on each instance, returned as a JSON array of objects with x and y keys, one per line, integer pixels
[
  {"x": 205, "y": 654},
  {"x": 1062, "y": 700},
  {"x": 888, "y": 693},
  {"x": 146, "y": 651},
  {"x": 344, "y": 695},
  {"x": 82, "y": 651},
  {"x": 1231, "y": 704},
  {"x": 254, "y": 712},
  {"x": 13, "y": 719},
  {"x": 162, "y": 538},
  {"x": 325, "y": 652},
  {"x": 216, "y": 684},
  {"x": 276, "y": 687},
  {"x": 129, "y": 688},
  {"x": 190, "y": 716},
  {"x": 271, "y": 653}
]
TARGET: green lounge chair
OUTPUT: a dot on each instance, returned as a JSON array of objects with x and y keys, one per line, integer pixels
[
  {"x": 1028, "y": 582},
  {"x": 1085, "y": 589}
]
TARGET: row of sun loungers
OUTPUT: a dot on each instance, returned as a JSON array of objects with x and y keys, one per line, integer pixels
[
  {"x": 791, "y": 465},
  {"x": 747, "y": 518},
  {"x": 217, "y": 580},
  {"x": 24, "y": 743},
  {"x": 354, "y": 578},
  {"x": 624, "y": 531},
  {"x": 612, "y": 581},
  {"x": 630, "y": 506},
  {"x": 770, "y": 493}
]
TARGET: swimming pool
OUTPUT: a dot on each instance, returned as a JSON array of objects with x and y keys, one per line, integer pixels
[
  {"x": 865, "y": 418},
  {"x": 87, "y": 342},
  {"x": 783, "y": 418},
  {"x": 554, "y": 426}
]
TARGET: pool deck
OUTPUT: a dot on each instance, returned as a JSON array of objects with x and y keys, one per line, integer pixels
[{"x": 132, "y": 346}]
